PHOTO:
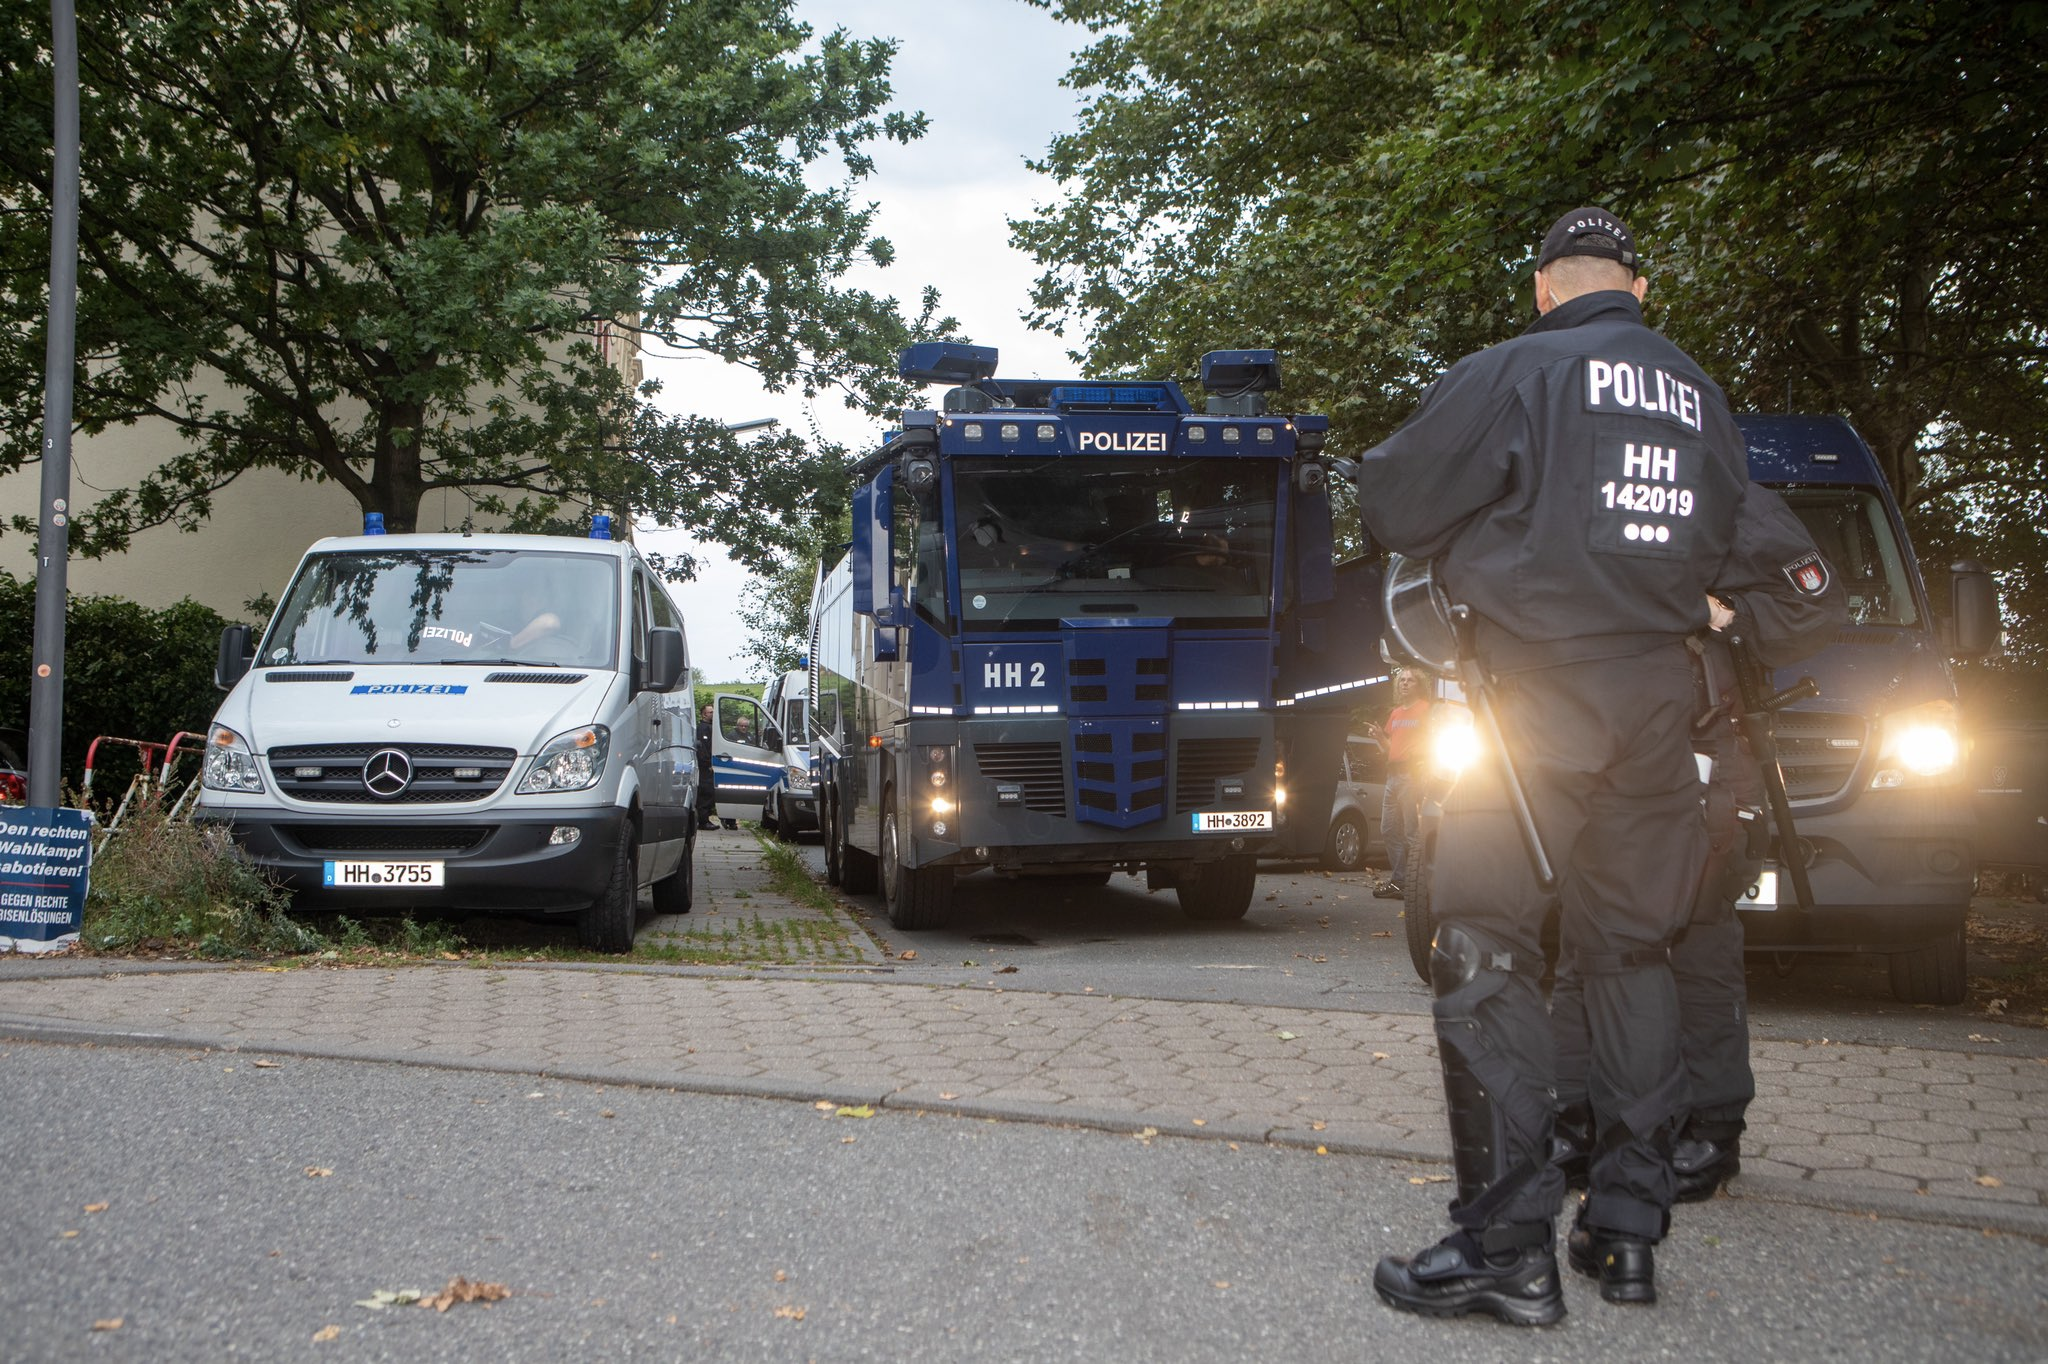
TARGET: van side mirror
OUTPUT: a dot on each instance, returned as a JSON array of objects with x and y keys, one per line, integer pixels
[
  {"x": 664, "y": 659},
  {"x": 237, "y": 653},
  {"x": 1973, "y": 609}
]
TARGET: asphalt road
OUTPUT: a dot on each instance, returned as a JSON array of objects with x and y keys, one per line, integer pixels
[
  {"x": 242, "y": 1211},
  {"x": 1315, "y": 939}
]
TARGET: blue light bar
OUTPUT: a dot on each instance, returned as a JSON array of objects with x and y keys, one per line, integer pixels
[
  {"x": 946, "y": 362},
  {"x": 1144, "y": 397},
  {"x": 373, "y": 523}
]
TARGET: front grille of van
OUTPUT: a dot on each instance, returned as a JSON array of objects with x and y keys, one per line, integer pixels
[
  {"x": 324, "y": 839},
  {"x": 334, "y": 773},
  {"x": 1818, "y": 752}
]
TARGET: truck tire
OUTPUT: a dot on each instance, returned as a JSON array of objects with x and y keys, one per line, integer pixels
[
  {"x": 828, "y": 830},
  {"x": 606, "y": 925},
  {"x": 1217, "y": 892},
  {"x": 1345, "y": 850},
  {"x": 1934, "y": 974},
  {"x": 920, "y": 897},
  {"x": 1416, "y": 915},
  {"x": 674, "y": 893}
]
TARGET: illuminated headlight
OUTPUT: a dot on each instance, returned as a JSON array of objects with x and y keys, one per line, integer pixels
[
  {"x": 1453, "y": 742},
  {"x": 799, "y": 778},
  {"x": 568, "y": 762},
  {"x": 1919, "y": 741},
  {"x": 230, "y": 763},
  {"x": 941, "y": 806}
]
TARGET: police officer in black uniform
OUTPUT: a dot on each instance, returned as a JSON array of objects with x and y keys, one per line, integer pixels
[
  {"x": 1577, "y": 488},
  {"x": 1783, "y": 598}
]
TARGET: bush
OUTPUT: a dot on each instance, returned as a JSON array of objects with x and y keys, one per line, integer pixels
[
  {"x": 160, "y": 883},
  {"x": 128, "y": 671}
]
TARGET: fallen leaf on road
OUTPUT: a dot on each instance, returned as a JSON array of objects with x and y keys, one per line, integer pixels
[
  {"x": 826, "y": 1105},
  {"x": 911, "y": 955},
  {"x": 854, "y": 1111},
  {"x": 108, "y": 1323},
  {"x": 1322, "y": 1150},
  {"x": 1980, "y": 1037},
  {"x": 1284, "y": 1036},
  {"x": 388, "y": 1297},
  {"x": 317, "y": 1172},
  {"x": 1996, "y": 1006},
  {"x": 451, "y": 956},
  {"x": 1991, "y": 1181},
  {"x": 606, "y": 1113},
  {"x": 790, "y": 1313},
  {"x": 1006, "y": 970},
  {"x": 948, "y": 1096},
  {"x": 782, "y": 1276},
  {"x": 68, "y": 1235},
  {"x": 1317, "y": 1126},
  {"x": 1222, "y": 1283},
  {"x": 328, "y": 1333},
  {"x": 1429, "y": 1179},
  {"x": 460, "y": 1289},
  {"x": 1378, "y": 934},
  {"x": 264, "y": 1065},
  {"x": 1199, "y": 1122},
  {"x": 848, "y": 1141},
  {"x": 95, "y": 1207}
]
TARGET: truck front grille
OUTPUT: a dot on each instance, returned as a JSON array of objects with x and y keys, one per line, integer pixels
[
  {"x": 1818, "y": 752},
  {"x": 1037, "y": 767},
  {"x": 1202, "y": 762}
]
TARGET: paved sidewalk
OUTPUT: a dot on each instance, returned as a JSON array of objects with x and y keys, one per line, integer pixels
[{"x": 1898, "y": 1131}]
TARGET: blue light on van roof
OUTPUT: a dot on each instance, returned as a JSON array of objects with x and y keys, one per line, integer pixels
[
  {"x": 373, "y": 523},
  {"x": 600, "y": 526}
]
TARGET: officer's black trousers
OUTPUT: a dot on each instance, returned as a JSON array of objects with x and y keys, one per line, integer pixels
[
  {"x": 1604, "y": 751},
  {"x": 1706, "y": 965}
]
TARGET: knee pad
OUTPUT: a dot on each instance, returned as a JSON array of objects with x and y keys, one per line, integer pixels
[{"x": 1461, "y": 958}]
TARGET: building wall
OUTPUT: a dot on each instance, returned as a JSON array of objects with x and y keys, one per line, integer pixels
[{"x": 259, "y": 525}]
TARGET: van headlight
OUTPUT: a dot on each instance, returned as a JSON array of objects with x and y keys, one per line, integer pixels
[
  {"x": 1919, "y": 741},
  {"x": 799, "y": 779},
  {"x": 230, "y": 763},
  {"x": 568, "y": 762},
  {"x": 1453, "y": 740}
]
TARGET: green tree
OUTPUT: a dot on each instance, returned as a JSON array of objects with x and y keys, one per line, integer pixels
[
  {"x": 1839, "y": 199},
  {"x": 394, "y": 244}
]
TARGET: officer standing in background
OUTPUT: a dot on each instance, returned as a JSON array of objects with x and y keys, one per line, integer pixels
[
  {"x": 1577, "y": 488},
  {"x": 1783, "y": 598},
  {"x": 707, "y": 799}
]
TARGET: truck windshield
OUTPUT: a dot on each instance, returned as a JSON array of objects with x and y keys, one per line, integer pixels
[
  {"x": 1046, "y": 539},
  {"x": 1854, "y": 531},
  {"x": 448, "y": 606}
]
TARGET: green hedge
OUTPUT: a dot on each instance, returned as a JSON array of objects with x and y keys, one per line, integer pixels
[{"x": 128, "y": 671}]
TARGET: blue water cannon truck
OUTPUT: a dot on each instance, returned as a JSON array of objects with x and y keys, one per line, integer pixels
[{"x": 1083, "y": 627}]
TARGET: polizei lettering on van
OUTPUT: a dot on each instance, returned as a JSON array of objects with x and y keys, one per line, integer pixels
[
  {"x": 1124, "y": 442},
  {"x": 1624, "y": 386}
]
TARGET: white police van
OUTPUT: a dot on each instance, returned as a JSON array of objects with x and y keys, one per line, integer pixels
[
  {"x": 496, "y": 723},
  {"x": 791, "y": 805}
]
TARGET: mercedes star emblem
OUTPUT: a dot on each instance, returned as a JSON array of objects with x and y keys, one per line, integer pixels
[{"x": 387, "y": 773}]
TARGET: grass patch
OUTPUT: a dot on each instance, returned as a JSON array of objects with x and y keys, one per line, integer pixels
[
  {"x": 753, "y": 939},
  {"x": 789, "y": 877}
]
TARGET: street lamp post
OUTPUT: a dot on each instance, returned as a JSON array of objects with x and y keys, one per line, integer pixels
[{"x": 46, "y": 687}]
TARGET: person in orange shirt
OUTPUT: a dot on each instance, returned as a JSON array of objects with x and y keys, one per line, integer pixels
[{"x": 1401, "y": 804}]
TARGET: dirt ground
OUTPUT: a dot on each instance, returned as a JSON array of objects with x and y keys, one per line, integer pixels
[{"x": 2009, "y": 953}]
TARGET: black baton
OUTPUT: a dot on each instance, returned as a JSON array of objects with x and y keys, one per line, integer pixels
[
  {"x": 1759, "y": 704},
  {"x": 1479, "y": 692}
]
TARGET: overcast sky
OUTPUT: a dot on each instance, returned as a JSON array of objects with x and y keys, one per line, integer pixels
[{"x": 987, "y": 72}]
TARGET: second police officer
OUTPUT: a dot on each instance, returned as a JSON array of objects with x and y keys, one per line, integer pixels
[{"x": 1577, "y": 487}]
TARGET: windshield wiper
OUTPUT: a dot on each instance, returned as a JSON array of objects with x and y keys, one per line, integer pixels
[{"x": 497, "y": 663}]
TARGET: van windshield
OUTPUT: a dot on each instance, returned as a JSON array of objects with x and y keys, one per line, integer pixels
[
  {"x": 1042, "y": 540},
  {"x": 1852, "y": 529},
  {"x": 478, "y": 606}
]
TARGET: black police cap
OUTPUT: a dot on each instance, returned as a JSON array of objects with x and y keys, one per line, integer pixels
[{"x": 1589, "y": 232}]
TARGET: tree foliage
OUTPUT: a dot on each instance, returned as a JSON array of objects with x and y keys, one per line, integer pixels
[
  {"x": 387, "y": 243},
  {"x": 1839, "y": 201}
]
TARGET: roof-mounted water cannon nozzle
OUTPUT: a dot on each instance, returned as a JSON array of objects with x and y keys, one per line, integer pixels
[
  {"x": 946, "y": 362},
  {"x": 1239, "y": 380}
]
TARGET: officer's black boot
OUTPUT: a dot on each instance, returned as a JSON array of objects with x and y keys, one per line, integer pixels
[
  {"x": 1705, "y": 1157},
  {"x": 1571, "y": 1142},
  {"x": 1626, "y": 1266},
  {"x": 1516, "y": 1283}
]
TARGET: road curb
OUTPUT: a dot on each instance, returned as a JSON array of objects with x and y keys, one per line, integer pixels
[{"x": 1987, "y": 1215}]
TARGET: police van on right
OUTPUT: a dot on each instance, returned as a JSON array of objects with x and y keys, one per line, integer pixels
[{"x": 1875, "y": 759}]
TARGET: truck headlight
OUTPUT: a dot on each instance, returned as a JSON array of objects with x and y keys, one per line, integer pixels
[
  {"x": 568, "y": 762},
  {"x": 1453, "y": 740},
  {"x": 230, "y": 763},
  {"x": 1919, "y": 741}
]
